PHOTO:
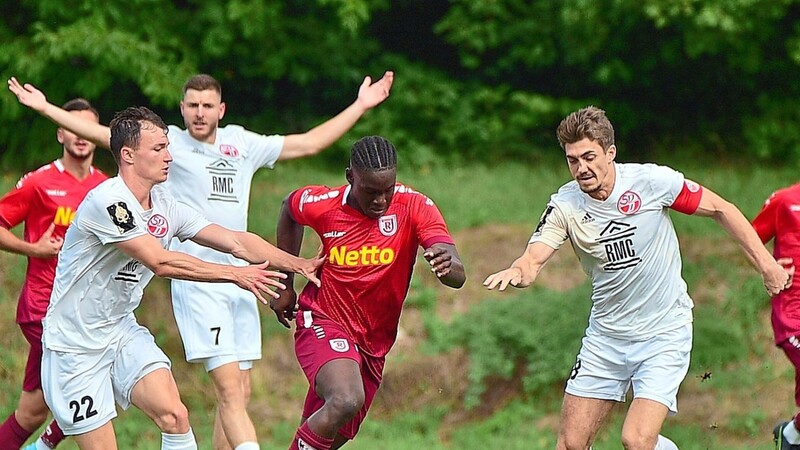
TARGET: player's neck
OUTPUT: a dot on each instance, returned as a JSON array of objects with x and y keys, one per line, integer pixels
[
  {"x": 78, "y": 168},
  {"x": 139, "y": 187}
]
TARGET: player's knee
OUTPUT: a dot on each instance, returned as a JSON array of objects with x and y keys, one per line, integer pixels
[
  {"x": 568, "y": 442},
  {"x": 31, "y": 418},
  {"x": 632, "y": 440},
  {"x": 345, "y": 405},
  {"x": 174, "y": 420}
]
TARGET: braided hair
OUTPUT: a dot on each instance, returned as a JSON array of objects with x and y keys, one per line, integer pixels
[{"x": 373, "y": 153}]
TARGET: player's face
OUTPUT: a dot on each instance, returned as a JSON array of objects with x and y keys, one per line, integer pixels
[
  {"x": 152, "y": 157},
  {"x": 371, "y": 191},
  {"x": 590, "y": 166},
  {"x": 202, "y": 111},
  {"x": 74, "y": 146}
]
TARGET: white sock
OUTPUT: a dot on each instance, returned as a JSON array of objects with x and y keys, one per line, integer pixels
[
  {"x": 665, "y": 444},
  {"x": 791, "y": 434},
  {"x": 183, "y": 441},
  {"x": 248, "y": 446}
]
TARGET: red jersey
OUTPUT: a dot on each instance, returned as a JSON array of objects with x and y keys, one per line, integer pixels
[
  {"x": 46, "y": 195},
  {"x": 780, "y": 219},
  {"x": 369, "y": 263}
]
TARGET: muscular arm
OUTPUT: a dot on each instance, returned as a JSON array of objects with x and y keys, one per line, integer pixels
[
  {"x": 524, "y": 270},
  {"x": 322, "y": 136},
  {"x": 169, "y": 264},
  {"x": 253, "y": 249},
  {"x": 776, "y": 278},
  {"x": 35, "y": 99},
  {"x": 290, "y": 239},
  {"x": 46, "y": 247},
  {"x": 446, "y": 264}
]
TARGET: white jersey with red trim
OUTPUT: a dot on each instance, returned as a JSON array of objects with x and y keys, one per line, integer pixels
[
  {"x": 97, "y": 285},
  {"x": 628, "y": 247},
  {"x": 215, "y": 178}
]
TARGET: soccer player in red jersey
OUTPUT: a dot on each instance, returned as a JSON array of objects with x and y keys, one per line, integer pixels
[
  {"x": 779, "y": 219},
  {"x": 370, "y": 230},
  {"x": 46, "y": 200}
]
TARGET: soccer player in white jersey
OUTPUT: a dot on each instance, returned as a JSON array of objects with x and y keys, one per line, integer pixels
[
  {"x": 95, "y": 352},
  {"x": 212, "y": 172},
  {"x": 616, "y": 216}
]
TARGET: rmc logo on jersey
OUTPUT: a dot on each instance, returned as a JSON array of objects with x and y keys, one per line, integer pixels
[{"x": 365, "y": 256}]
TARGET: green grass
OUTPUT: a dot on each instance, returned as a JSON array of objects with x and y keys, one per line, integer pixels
[{"x": 730, "y": 338}]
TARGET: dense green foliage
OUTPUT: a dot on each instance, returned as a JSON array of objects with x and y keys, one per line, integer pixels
[{"x": 476, "y": 80}]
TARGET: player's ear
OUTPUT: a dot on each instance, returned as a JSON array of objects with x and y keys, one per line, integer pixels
[
  {"x": 60, "y": 135},
  {"x": 222, "y": 109},
  {"x": 126, "y": 154},
  {"x": 611, "y": 153},
  {"x": 348, "y": 174}
]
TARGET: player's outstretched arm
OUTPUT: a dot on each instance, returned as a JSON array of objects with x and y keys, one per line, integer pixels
[
  {"x": 775, "y": 277},
  {"x": 446, "y": 264},
  {"x": 254, "y": 249},
  {"x": 168, "y": 264},
  {"x": 524, "y": 270},
  {"x": 35, "y": 99},
  {"x": 322, "y": 136}
]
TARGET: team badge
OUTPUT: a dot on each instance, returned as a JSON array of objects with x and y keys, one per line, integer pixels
[
  {"x": 691, "y": 186},
  {"x": 388, "y": 225},
  {"x": 629, "y": 203},
  {"x": 157, "y": 226},
  {"x": 121, "y": 216},
  {"x": 303, "y": 445},
  {"x": 229, "y": 150},
  {"x": 339, "y": 345}
]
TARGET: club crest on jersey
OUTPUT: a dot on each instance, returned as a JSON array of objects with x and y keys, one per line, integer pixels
[
  {"x": 629, "y": 203},
  {"x": 157, "y": 226},
  {"x": 388, "y": 225},
  {"x": 339, "y": 345},
  {"x": 121, "y": 216},
  {"x": 691, "y": 186},
  {"x": 229, "y": 150}
]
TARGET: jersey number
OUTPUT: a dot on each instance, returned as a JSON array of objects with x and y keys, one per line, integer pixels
[
  {"x": 86, "y": 401},
  {"x": 216, "y": 338}
]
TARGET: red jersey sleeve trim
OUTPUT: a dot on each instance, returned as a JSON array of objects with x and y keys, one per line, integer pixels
[
  {"x": 437, "y": 240},
  {"x": 689, "y": 198}
]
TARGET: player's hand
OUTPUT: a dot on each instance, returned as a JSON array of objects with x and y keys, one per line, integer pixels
[
  {"x": 439, "y": 259},
  {"x": 28, "y": 95},
  {"x": 258, "y": 280},
  {"x": 284, "y": 306},
  {"x": 501, "y": 280},
  {"x": 308, "y": 268},
  {"x": 48, "y": 245},
  {"x": 371, "y": 94},
  {"x": 778, "y": 276}
]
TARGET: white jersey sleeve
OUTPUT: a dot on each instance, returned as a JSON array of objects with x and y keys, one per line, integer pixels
[{"x": 552, "y": 229}]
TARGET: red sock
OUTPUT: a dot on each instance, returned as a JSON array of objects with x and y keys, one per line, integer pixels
[
  {"x": 52, "y": 435},
  {"x": 12, "y": 435},
  {"x": 305, "y": 439}
]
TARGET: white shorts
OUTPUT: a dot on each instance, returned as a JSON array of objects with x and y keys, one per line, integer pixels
[
  {"x": 607, "y": 367},
  {"x": 81, "y": 388},
  {"x": 219, "y": 323}
]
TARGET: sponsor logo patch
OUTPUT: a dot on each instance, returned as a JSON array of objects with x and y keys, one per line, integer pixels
[
  {"x": 333, "y": 234},
  {"x": 121, "y": 216}
]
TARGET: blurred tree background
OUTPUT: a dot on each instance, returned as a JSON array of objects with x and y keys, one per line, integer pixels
[{"x": 476, "y": 80}]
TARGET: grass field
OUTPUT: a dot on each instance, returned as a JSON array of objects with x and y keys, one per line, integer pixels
[{"x": 423, "y": 403}]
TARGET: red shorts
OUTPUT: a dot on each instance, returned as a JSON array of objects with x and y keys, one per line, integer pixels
[
  {"x": 318, "y": 341},
  {"x": 791, "y": 347},
  {"x": 33, "y": 368}
]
